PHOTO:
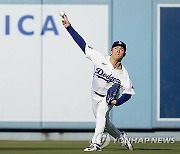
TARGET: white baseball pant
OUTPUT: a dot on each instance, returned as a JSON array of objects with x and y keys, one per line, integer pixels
[{"x": 101, "y": 112}]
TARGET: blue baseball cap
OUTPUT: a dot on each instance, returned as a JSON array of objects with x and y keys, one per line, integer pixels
[{"x": 119, "y": 43}]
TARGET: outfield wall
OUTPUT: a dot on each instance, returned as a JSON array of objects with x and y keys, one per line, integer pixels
[{"x": 45, "y": 78}]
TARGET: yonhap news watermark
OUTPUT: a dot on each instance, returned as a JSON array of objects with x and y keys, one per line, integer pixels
[
  {"x": 151, "y": 139},
  {"x": 106, "y": 139}
]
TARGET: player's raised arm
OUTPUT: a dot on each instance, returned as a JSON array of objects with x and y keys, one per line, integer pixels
[{"x": 77, "y": 38}]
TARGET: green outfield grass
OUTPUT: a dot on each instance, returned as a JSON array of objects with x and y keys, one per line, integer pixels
[{"x": 76, "y": 147}]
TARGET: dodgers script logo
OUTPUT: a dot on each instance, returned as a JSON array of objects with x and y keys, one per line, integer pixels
[{"x": 108, "y": 78}]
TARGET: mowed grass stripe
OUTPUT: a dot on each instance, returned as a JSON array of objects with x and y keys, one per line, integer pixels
[{"x": 76, "y": 147}]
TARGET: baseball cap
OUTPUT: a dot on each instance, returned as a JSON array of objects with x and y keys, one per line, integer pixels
[{"x": 119, "y": 43}]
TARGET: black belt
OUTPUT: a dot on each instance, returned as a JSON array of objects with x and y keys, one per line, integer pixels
[{"x": 99, "y": 94}]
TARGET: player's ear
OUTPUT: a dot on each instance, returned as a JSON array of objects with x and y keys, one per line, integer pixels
[{"x": 124, "y": 54}]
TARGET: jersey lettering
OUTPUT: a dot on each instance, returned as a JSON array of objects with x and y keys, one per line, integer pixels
[{"x": 108, "y": 78}]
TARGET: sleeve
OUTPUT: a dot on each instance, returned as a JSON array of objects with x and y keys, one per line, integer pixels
[
  {"x": 92, "y": 54},
  {"x": 77, "y": 38},
  {"x": 127, "y": 87},
  {"x": 124, "y": 98},
  {"x": 127, "y": 90},
  {"x": 88, "y": 51}
]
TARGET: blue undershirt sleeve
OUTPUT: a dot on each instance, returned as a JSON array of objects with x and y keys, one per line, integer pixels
[
  {"x": 124, "y": 98},
  {"x": 77, "y": 38}
]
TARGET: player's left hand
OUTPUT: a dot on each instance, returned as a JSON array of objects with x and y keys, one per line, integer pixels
[{"x": 112, "y": 93}]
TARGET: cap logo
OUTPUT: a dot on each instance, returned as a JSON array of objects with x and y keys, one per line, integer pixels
[{"x": 117, "y": 43}]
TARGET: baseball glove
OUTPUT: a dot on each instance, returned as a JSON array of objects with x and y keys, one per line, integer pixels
[{"x": 112, "y": 93}]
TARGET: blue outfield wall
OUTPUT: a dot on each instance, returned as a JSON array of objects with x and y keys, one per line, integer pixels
[
  {"x": 132, "y": 23},
  {"x": 151, "y": 31},
  {"x": 165, "y": 64}
]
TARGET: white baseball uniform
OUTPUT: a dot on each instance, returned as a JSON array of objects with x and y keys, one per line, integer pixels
[{"x": 105, "y": 75}]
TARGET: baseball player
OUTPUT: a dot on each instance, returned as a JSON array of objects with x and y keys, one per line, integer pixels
[{"x": 109, "y": 76}]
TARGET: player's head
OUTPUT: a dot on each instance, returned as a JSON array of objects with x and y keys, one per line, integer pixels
[
  {"x": 118, "y": 49},
  {"x": 119, "y": 43}
]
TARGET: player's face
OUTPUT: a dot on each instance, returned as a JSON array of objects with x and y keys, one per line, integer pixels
[{"x": 117, "y": 52}]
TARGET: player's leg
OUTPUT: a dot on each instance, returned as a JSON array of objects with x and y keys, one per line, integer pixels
[
  {"x": 125, "y": 141},
  {"x": 120, "y": 136},
  {"x": 100, "y": 121},
  {"x": 111, "y": 129},
  {"x": 95, "y": 102},
  {"x": 99, "y": 109}
]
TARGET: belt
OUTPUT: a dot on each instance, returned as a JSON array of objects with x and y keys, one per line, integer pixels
[{"x": 99, "y": 94}]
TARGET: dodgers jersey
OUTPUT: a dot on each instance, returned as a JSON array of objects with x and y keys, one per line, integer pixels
[{"x": 105, "y": 75}]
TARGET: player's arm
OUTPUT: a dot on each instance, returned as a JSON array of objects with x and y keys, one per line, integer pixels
[
  {"x": 77, "y": 38},
  {"x": 112, "y": 94},
  {"x": 128, "y": 91},
  {"x": 124, "y": 98}
]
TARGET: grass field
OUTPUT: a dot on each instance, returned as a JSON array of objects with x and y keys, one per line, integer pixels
[{"x": 76, "y": 147}]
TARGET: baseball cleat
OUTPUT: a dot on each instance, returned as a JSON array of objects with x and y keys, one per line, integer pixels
[
  {"x": 93, "y": 147},
  {"x": 125, "y": 142}
]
